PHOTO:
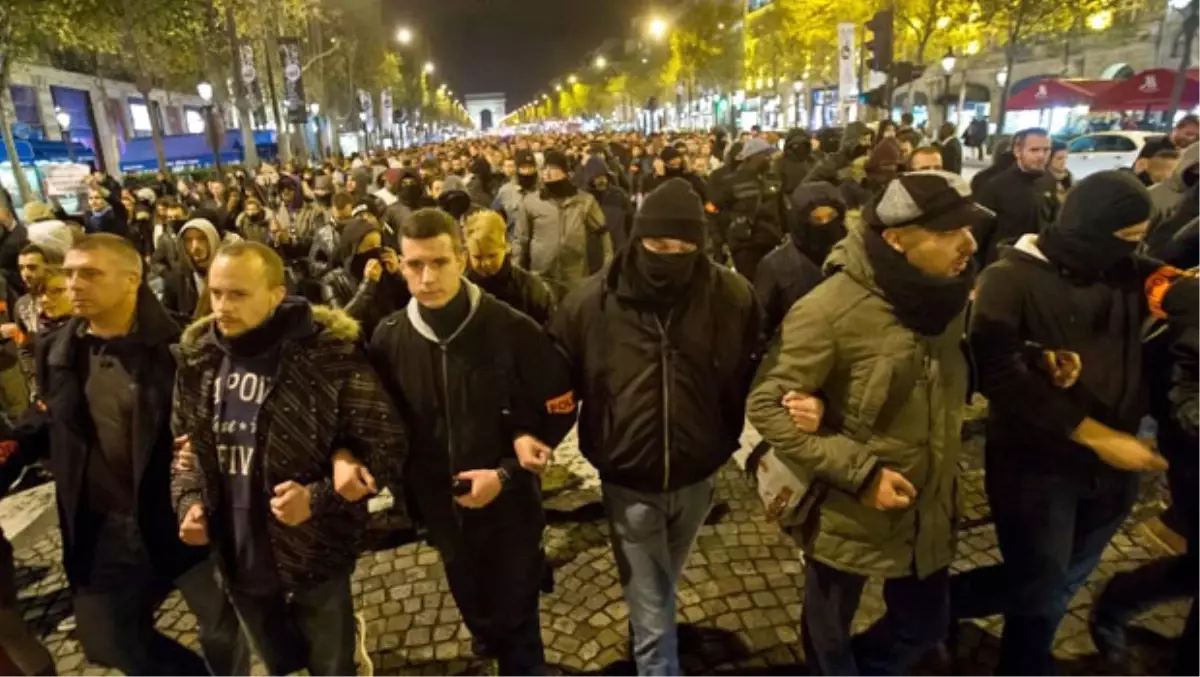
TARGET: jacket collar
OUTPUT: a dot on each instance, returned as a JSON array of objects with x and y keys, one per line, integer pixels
[
  {"x": 196, "y": 342},
  {"x": 423, "y": 328},
  {"x": 152, "y": 326}
]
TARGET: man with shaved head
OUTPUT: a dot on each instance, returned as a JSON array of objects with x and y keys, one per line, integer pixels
[{"x": 105, "y": 382}]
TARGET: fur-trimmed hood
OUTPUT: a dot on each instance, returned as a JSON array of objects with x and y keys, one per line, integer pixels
[{"x": 329, "y": 324}]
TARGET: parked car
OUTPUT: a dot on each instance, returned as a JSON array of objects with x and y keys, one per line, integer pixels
[{"x": 1093, "y": 153}]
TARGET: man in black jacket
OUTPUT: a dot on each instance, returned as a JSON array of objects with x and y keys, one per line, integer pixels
[
  {"x": 490, "y": 267},
  {"x": 816, "y": 222},
  {"x": 277, "y": 404},
  {"x": 1019, "y": 196},
  {"x": 366, "y": 282},
  {"x": 796, "y": 161},
  {"x": 485, "y": 396},
  {"x": 597, "y": 179},
  {"x": 751, "y": 202},
  {"x": 662, "y": 349},
  {"x": 105, "y": 382},
  {"x": 1061, "y": 463}
]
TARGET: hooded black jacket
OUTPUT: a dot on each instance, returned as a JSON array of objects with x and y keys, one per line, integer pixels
[
  {"x": 830, "y": 168},
  {"x": 1024, "y": 299},
  {"x": 794, "y": 165},
  {"x": 465, "y": 400},
  {"x": 616, "y": 205},
  {"x": 364, "y": 300},
  {"x": 665, "y": 400}
]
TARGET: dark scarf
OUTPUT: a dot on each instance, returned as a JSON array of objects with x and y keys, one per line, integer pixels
[
  {"x": 563, "y": 188},
  {"x": 446, "y": 320},
  {"x": 656, "y": 281},
  {"x": 291, "y": 319},
  {"x": 815, "y": 242},
  {"x": 922, "y": 303}
]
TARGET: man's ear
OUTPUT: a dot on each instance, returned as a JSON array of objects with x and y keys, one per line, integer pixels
[{"x": 894, "y": 239}]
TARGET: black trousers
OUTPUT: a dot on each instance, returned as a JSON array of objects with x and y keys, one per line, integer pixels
[
  {"x": 313, "y": 628},
  {"x": 495, "y": 575},
  {"x": 1052, "y": 530}
]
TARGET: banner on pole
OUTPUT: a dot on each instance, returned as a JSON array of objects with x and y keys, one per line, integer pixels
[
  {"x": 386, "y": 119},
  {"x": 847, "y": 72},
  {"x": 365, "y": 105},
  {"x": 293, "y": 85}
]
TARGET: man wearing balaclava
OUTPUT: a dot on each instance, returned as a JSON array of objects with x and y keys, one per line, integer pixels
[
  {"x": 816, "y": 222},
  {"x": 410, "y": 196},
  {"x": 796, "y": 161},
  {"x": 664, "y": 343},
  {"x": 552, "y": 228},
  {"x": 674, "y": 166},
  {"x": 1062, "y": 463},
  {"x": 368, "y": 284},
  {"x": 597, "y": 179},
  {"x": 524, "y": 180}
]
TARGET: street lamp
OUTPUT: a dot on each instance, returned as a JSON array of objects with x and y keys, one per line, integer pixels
[
  {"x": 205, "y": 90},
  {"x": 1002, "y": 78},
  {"x": 558, "y": 88},
  {"x": 601, "y": 62},
  {"x": 572, "y": 79},
  {"x": 404, "y": 36},
  {"x": 657, "y": 28},
  {"x": 947, "y": 68},
  {"x": 428, "y": 68},
  {"x": 63, "y": 118}
]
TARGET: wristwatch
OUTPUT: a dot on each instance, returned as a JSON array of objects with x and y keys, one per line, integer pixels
[{"x": 503, "y": 475}]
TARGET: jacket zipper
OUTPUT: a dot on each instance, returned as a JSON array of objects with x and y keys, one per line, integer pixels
[
  {"x": 449, "y": 427},
  {"x": 666, "y": 398}
]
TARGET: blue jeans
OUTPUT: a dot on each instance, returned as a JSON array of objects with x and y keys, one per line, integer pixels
[
  {"x": 314, "y": 629},
  {"x": 115, "y": 612},
  {"x": 1052, "y": 530},
  {"x": 652, "y": 536},
  {"x": 918, "y": 610}
]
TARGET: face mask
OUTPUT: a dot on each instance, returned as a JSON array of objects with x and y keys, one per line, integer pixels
[
  {"x": 665, "y": 272},
  {"x": 560, "y": 188},
  {"x": 527, "y": 181},
  {"x": 358, "y": 264},
  {"x": 673, "y": 171}
]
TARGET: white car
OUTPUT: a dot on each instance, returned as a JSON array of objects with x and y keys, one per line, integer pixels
[{"x": 1093, "y": 153}]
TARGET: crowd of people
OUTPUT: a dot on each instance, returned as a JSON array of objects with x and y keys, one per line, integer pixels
[{"x": 219, "y": 376}]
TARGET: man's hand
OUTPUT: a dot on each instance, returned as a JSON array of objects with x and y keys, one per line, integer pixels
[
  {"x": 485, "y": 487},
  {"x": 391, "y": 262},
  {"x": 373, "y": 270},
  {"x": 533, "y": 454},
  {"x": 806, "y": 411},
  {"x": 184, "y": 457},
  {"x": 193, "y": 530},
  {"x": 351, "y": 479},
  {"x": 889, "y": 491},
  {"x": 1118, "y": 449},
  {"x": 292, "y": 504},
  {"x": 1063, "y": 366},
  {"x": 9, "y": 330},
  {"x": 660, "y": 167}
]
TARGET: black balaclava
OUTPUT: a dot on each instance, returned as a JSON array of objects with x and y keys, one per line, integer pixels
[
  {"x": 527, "y": 182},
  {"x": 347, "y": 252},
  {"x": 673, "y": 210},
  {"x": 816, "y": 241},
  {"x": 1082, "y": 240},
  {"x": 670, "y": 153},
  {"x": 563, "y": 187},
  {"x": 410, "y": 191}
]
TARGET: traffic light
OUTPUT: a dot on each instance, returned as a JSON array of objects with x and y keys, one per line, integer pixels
[{"x": 880, "y": 41}]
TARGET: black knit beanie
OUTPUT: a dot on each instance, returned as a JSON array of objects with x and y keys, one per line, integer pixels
[
  {"x": 555, "y": 158},
  {"x": 673, "y": 210}
]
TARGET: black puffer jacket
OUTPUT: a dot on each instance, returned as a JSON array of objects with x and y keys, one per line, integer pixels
[
  {"x": 466, "y": 399},
  {"x": 635, "y": 372},
  {"x": 325, "y": 397},
  {"x": 616, "y": 205},
  {"x": 518, "y": 288}
]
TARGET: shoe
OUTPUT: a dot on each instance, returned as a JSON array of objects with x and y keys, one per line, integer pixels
[{"x": 1109, "y": 637}]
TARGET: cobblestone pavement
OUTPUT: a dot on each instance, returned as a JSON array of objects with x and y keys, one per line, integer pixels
[{"x": 739, "y": 600}]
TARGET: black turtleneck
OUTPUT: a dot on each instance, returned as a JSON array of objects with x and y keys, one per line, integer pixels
[{"x": 446, "y": 320}]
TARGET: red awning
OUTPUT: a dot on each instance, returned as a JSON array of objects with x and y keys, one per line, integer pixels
[
  {"x": 1149, "y": 90},
  {"x": 1056, "y": 93}
]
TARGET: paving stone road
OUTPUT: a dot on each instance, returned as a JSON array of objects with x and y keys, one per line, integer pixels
[{"x": 739, "y": 601}]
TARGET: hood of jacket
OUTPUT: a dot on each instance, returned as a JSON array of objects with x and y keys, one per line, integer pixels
[
  {"x": 850, "y": 257},
  {"x": 797, "y": 146},
  {"x": 210, "y": 233},
  {"x": 413, "y": 311},
  {"x": 595, "y": 166},
  {"x": 1188, "y": 159},
  {"x": 850, "y": 137},
  {"x": 352, "y": 235},
  {"x": 324, "y": 321}
]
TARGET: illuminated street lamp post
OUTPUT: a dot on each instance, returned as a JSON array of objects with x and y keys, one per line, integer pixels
[
  {"x": 63, "y": 118},
  {"x": 315, "y": 109},
  {"x": 205, "y": 90},
  {"x": 947, "y": 68},
  {"x": 404, "y": 36}
]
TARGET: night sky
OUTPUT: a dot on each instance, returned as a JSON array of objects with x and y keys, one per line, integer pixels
[{"x": 511, "y": 46}]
